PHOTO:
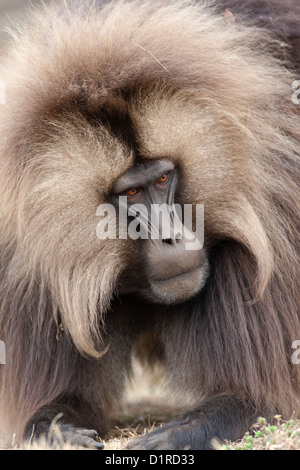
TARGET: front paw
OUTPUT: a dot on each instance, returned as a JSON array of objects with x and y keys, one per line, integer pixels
[
  {"x": 173, "y": 436},
  {"x": 152, "y": 441},
  {"x": 76, "y": 437},
  {"x": 64, "y": 436}
]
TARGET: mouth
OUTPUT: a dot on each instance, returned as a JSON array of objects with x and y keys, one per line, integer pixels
[
  {"x": 176, "y": 276},
  {"x": 179, "y": 288}
]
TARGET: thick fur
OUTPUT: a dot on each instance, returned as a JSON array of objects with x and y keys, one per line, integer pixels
[
  {"x": 281, "y": 18},
  {"x": 209, "y": 96}
]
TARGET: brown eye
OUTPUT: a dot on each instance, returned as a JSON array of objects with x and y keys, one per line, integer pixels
[
  {"x": 131, "y": 192},
  {"x": 162, "y": 179}
]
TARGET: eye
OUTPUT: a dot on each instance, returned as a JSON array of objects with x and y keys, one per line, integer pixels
[
  {"x": 131, "y": 192},
  {"x": 162, "y": 179}
]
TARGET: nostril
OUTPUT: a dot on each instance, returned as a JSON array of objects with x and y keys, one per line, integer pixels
[
  {"x": 170, "y": 241},
  {"x": 173, "y": 240}
]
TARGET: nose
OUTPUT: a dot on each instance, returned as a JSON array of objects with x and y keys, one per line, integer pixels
[
  {"x": 169, "y": 257},
  {"x": 173, "y": 240}
]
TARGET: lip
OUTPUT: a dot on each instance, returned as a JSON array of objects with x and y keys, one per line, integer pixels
[
  {"x": 180, "y": 288},
  {"x": 177, "y": 276}
]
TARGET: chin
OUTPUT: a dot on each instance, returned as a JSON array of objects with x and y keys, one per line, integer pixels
[{"x": 180, "y": 288}]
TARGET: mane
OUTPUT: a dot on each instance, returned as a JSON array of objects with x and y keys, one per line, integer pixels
[{"x": 61, "y": 71}]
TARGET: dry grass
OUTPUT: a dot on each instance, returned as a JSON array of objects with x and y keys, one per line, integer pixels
[{"x": 285, "y": 435}]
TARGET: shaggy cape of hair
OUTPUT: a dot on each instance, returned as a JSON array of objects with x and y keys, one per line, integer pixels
[{"x": 203, "y": 92}]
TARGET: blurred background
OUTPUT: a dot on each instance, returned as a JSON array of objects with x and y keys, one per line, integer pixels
[{"x": 11, "y": 10}]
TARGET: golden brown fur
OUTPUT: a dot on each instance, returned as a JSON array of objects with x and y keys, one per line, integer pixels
[{"x": 210, "y": 97}]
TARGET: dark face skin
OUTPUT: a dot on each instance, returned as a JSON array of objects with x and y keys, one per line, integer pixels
[{"x": 172, "y": 272}]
